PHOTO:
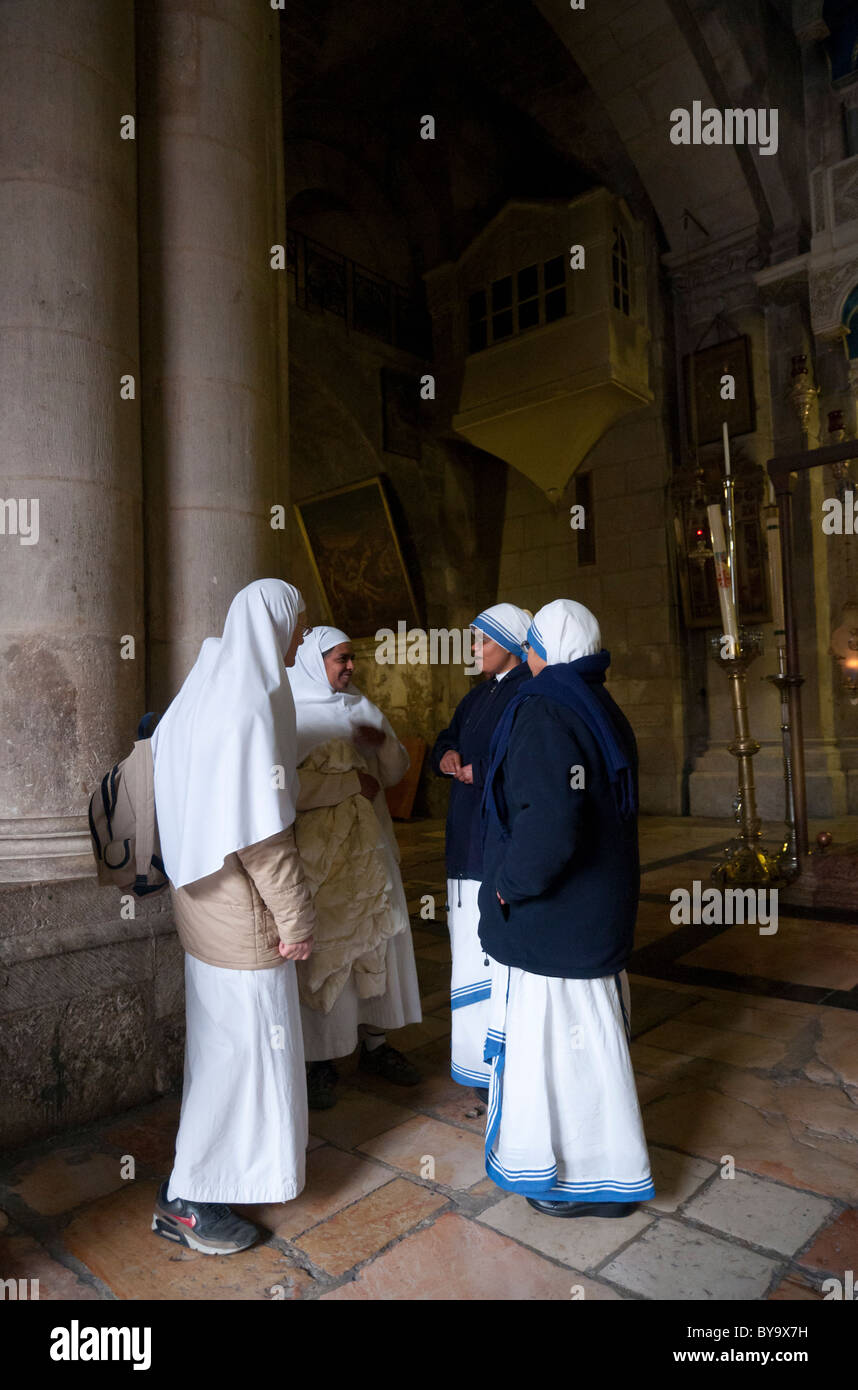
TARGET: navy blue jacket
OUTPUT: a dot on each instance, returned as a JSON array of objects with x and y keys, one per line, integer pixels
[
  {"x": 569, "y": 870},
  {"x": 470, "y": 734}
]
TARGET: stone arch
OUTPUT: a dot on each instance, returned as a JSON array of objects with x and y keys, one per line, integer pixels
[{"x": 644, "y": 61}]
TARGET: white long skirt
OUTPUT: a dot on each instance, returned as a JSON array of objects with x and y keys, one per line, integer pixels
[
  {"x": 564, "y": 1123},
  {"x": 470, "y": 984},
  {"x": 243, "y": 1128},
  {"x": 336, "y": 1034}
]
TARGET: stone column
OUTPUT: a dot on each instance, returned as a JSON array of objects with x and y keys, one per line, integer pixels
[
  {"x": 212, "y": 347},
  {"x": 70, "y": 493}
]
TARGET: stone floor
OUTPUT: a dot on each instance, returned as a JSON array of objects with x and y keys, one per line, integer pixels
[{"x": 746, "y": 1050}]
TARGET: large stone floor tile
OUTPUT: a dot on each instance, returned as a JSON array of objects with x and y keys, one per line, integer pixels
[
  {"x": 803, "y": 952},
  {"x": 652, "y": 1005},
  {"x": 466, "y": 1111},
  {"x": 739, "y": 1049},
  {"x": 439, "y": 951},
  {"x": 355, "y": 1117},
  {"x": 838, "y": 1046},
  {"x": 795, "y": 1289},
  {"x": 649, "y": 1087},
  {"x": 334, "y": 1180},
  {"x": 64, "y": 1179},
  {"x": 418, "y": 1034},
  {"x": 456, "y": 1259},
  {"x": 716, "y": 1125},
  {"x": 423, "y": 938},
  {"x": 457, "y": 1156},
  {"x": 676, "y": 1177},
  {"x": 672, "y": 1261},
  {"x": 113, "y": 1238},
  {"x": 769, "y": 1003},
  {"x": 438, "y": 1004},
  {"x": 836, "y": 1248},
  {"x": 821, "y": 1109},
  {"x": 680, "y": 875},
  {"x": 21, "y": 1257},
  {"x": 778, "y": 1218},
  {"x": 582, "y": 1242},
  {"x": 364, "y": 1228},
  {"x": 739, "y": 1018},
  {"x": 658, "y": 1061},
  {"x": 149, "y": 1138}
]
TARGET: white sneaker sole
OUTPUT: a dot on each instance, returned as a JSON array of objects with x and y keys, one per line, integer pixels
[{"x": 187, "y": 1238}]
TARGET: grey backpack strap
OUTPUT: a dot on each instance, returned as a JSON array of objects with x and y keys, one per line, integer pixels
[{"x": 144, "y": 808}]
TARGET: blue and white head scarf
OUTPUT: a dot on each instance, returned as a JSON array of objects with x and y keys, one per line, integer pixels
[
  {"x": 564, "y": 631},
  {"x": 566, "y": 635},
  {"x": 506, "y": 625}
]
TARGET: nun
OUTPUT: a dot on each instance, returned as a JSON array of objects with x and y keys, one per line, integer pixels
[
  {"x": 557, "y": 914},
  {"x": 225, "y": 790},
  {"x": 329, "y": 707},
  {"x": 461, "y": 752}
]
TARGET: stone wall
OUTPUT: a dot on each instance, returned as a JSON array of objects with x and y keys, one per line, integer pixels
[{"x": 629, "y": 588}]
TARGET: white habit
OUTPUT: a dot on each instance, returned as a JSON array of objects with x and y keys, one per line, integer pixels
[
  {"x": 243, "y": 1129},
  {"x": 564, "y": 1123},
  {"x": 470, "y": 984}
]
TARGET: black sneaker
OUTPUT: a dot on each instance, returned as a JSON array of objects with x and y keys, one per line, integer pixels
[
  {"x": 209, "y": 1227},
  {"x": 322, "y": 1078},
  {"x": 387, "y": 1062}
]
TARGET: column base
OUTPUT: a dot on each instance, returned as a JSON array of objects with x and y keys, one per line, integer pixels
[
  {"x": 92, "y": 1008},
  {"x": 38, "y": 850}
]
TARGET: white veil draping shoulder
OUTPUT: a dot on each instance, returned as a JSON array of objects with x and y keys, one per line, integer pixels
[
  {"x": 218, "y": 747},
  {"x": 323, "y": 713}
]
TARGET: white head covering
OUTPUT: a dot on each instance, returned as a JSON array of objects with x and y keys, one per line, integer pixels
[
  {"x": 504, "y": 624},
  {"x": 323, "y": 713},
  {"x": 231, "y": 726},
  {"x": 563, "y": 631}
]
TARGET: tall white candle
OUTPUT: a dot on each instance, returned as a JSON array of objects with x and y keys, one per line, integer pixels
[
  {"x": 722, "y": 573},
  {"x": 776, "y": 582}
]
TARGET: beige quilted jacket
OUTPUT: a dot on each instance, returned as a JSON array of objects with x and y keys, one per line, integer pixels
[{"x": 235, "y": 917}]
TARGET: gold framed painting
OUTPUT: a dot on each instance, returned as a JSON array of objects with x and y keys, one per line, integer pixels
[{"x": 356, "y": 558}]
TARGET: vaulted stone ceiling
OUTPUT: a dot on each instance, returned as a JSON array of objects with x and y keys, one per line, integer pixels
[
  {"x": 596, "y": 88},
  {"x": 643, "y": 58}
]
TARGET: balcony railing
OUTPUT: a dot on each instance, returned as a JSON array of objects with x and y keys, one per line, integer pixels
[{"x": 321, "y": 280}]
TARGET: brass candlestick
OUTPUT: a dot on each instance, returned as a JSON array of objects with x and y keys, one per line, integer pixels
[{"x": 744, "y": 861}]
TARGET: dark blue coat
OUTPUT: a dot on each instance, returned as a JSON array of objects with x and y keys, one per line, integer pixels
[
  {"x": 569, "y": 870},
  {"x": 470, "y": 734}
]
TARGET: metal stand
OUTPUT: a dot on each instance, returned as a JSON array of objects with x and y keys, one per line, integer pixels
[
  {"x": 744, "y": 860},
  {"x": 787, "y": 857}
]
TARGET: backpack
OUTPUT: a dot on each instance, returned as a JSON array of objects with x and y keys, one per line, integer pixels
[{"x": 122, "y": 821}]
